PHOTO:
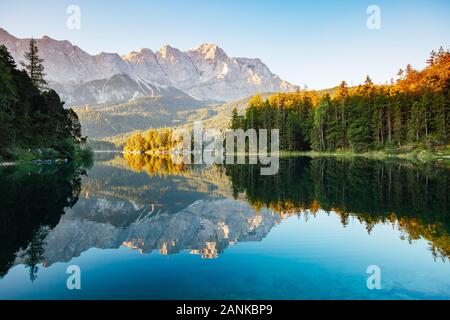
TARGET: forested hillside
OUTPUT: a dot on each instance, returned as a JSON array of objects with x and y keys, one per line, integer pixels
[
  {"x": 106, "y": 120},
  {"x": 410, "y": 112},
  {"x": 33, "y": 120}
]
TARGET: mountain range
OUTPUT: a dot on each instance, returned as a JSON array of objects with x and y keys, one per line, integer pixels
[{"x": 204, "y": 73}]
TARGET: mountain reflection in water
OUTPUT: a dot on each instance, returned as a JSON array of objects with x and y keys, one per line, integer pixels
[{"x": 150, "y": 204}]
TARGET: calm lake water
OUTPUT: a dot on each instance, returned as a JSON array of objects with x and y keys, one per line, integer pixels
[{"x": 145, "y": 228}]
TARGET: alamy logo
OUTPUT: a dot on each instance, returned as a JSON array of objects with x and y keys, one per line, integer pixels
[
  {"x": 374, "y": 280},
  {"x": 374, "y": 20},
  {"x": 74, "y": 280},
  {"x": 212, "y": 146},
  {"x": 74, "y": 19}
]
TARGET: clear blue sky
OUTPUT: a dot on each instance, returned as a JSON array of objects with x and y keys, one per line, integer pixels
[{"x": 318, "y": 43}]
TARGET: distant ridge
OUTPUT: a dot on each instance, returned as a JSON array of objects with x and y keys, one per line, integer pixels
[{"x": 202, "y": 73}]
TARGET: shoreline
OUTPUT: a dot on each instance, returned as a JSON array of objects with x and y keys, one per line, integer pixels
[{"x": 423, "y": 156}]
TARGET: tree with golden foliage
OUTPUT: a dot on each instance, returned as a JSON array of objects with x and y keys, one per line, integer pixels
[
  {"x": 155, "y": 141},
  {"x": 411, "y": 112}
]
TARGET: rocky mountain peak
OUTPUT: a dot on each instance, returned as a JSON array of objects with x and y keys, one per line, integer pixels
[
  {"x": 210, "y": 51},
  {"x": 5, "y": 33},
  {"x": 142, "y": 55},
  {"x": 168, "y": 51},
  {"x": 205, "y": 72}
]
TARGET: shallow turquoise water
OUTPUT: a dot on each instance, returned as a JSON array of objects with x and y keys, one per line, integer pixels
[{"x": 140, "y": 236}]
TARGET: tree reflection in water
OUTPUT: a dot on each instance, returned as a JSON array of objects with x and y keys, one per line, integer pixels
[
  {"x": 415, "y": 197},
  {"x": 32, "y": 203}
]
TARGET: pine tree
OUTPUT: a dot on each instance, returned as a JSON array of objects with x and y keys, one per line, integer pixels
[
  {"x": 235, "y": 120},
  {"x": 319, "y": 142},
  {"x": 441, "y": 54},
  {"x": 7, "y": 95},
  {"x": 432, "y": 59},
  {"x": 293, "y": 136},
  {"x": 74, "y": 127},
  {"x": 441, "y": 111},
  {"x": 340, "y": 115},
  {"x": 34, "y": 66},
  {"x": 358, "y": 128},
  {"x": 398, "y": 126},
  {"x": 368, "y": 82},
  {"x": 414, "y": 123},
  {"x": 409, "y": 70},
  {"x": 7, "y": 89}
]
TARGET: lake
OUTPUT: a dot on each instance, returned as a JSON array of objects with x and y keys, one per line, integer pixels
[{"x": 142, "y": 227}]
